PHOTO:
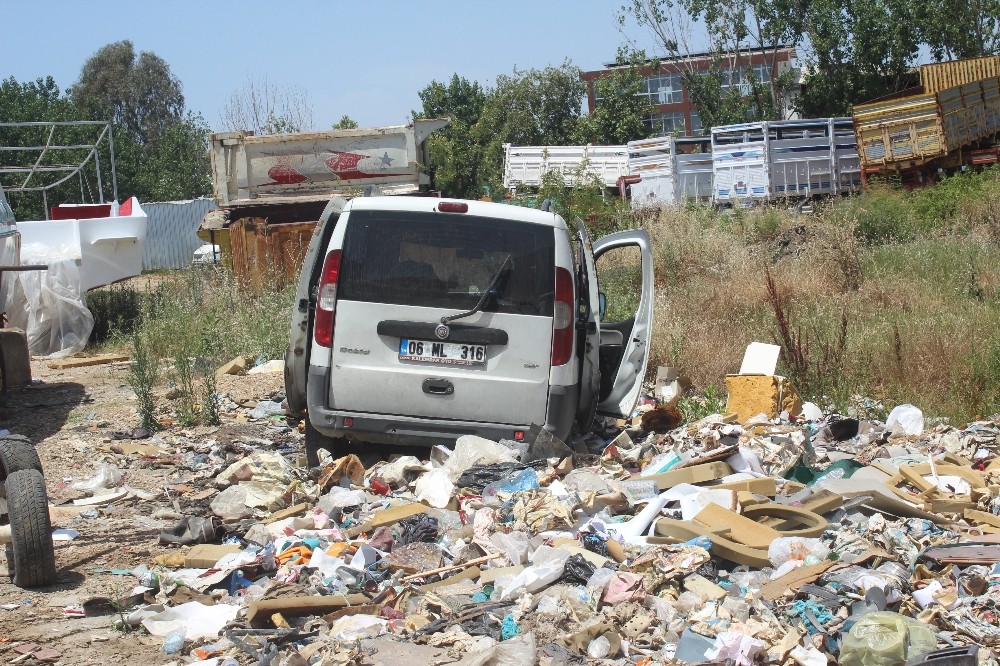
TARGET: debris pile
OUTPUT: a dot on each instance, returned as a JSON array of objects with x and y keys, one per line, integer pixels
[{"x": 789, "y": 536}]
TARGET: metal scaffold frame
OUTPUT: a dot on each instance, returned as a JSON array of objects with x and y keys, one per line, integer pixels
[{"x": 33, "y": 179}]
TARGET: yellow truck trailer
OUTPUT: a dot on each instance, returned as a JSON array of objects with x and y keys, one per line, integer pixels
[{"x": 933, "y": 126}]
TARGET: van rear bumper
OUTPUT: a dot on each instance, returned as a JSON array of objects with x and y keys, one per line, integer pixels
[{"x": 415, "y": 431}]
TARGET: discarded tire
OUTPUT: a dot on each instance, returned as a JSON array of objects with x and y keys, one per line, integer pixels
[
  {"x": 17, "y": 453},
  {"x": 34, "y": 561}
]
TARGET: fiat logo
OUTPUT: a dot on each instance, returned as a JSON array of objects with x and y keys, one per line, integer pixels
[{"x": 442, "y": 332}]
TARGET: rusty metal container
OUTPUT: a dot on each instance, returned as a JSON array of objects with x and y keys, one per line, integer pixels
[
  {"x": 268, "y": 256},
  {"x": 943, "y": 75}
]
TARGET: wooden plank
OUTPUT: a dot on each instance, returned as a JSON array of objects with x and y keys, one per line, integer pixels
[
  {"x": 67, "y": 363},
  {"x": 261, "y": 611},
  {"x": 793, "y": 580},
  {"x": 982, "y": 517}
]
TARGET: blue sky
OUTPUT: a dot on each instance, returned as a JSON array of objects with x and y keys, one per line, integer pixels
[{"x": 363, "y": 59}]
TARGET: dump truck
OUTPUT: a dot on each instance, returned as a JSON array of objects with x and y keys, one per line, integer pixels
[
  {"x": 947, "y": 122},
  {"x": 270, "y": 190}
]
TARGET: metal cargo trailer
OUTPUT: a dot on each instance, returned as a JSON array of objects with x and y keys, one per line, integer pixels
[
  {"x": 942, "y": 75},
  {"x": 784, "y": 159},
  {"x": 525, "y": 166},
  {"x": 671, "y": 170},
  {"x": 739, "y": 164}
]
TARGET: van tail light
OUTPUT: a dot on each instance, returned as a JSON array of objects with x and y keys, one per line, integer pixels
[
  {"x": 562, "y": 318},
  {"x": 326, "y": 300}
]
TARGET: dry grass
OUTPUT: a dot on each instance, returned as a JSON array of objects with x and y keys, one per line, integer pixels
[{"x": 915, "y": 276}]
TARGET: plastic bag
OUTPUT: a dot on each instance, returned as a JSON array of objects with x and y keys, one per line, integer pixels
[
  {"x": 518, "y": 651},
  {"x": 105, "y": 475},
  {"x": 886, "y": 639},
  {"x": 435, "y": 488},
  {"x": 265, "y": 409},
  {"x": 514, "y": 545},
  {"x": 784, "y": 549},
  {"x": 905, "y": 420},
  {"x": 231, "y": 503},
  {"x": 472, "y": 450}
]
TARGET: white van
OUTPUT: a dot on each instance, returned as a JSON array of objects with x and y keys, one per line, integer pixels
[{"x": 419, "y": 320}]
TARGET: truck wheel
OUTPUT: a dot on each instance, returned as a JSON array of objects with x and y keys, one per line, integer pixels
[
  {"x": 34, "y": 561},
  {"x": 17, "y": 453},
  {"x": 315, "y": 440}
]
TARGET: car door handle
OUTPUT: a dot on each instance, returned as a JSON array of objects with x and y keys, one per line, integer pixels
[{"x": 438, "y": 387}]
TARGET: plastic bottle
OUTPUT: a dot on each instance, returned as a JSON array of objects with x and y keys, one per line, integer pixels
[{"x": 174, "y": 641}]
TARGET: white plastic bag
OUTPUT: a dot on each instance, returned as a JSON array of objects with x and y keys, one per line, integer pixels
[
  {"x": 435, "y": 488},
  {"x": 105, "y": 475},
  {"x": 785, "y": 549},
  {"x": 905, "y": 420}
]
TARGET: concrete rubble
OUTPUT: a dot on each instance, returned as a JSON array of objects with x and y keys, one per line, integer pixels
[{"x": 774, "y": 539}]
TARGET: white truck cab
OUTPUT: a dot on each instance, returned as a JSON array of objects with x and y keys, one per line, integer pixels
[{"x": 419, "y": 320}]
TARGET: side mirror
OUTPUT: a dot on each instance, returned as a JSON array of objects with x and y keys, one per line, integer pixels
[{"x": 602, "y": 301}]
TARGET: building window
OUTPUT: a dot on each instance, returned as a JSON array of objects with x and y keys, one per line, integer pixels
[
  {"x": 666, "y": 123},
  {"x": 664, "y": 89},
  {"x": 762, "y": 72},
  {"x": 695, "y": 123}
]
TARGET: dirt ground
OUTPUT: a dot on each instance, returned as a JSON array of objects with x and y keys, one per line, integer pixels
[{"x": 71, "y": 415}]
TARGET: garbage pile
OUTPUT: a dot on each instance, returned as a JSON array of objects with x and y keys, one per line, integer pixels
[{"x": 787, "y": 536}]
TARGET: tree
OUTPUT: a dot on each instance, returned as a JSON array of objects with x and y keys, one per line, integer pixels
[
  {"x": 621, "y": 109},
  {"x": 139, "y": 93},
  {"x": 346, "y": 122},
  {"x": 455, "y": 155},
  {"x": 178, "y": 168},
  {"x": 976, "y": 34},
  {"x": 532, "y": 107},
  {"x": 859, "y": 50},
  {"x": 729, "y": 91},
  {"x": 263, "y": 107}
]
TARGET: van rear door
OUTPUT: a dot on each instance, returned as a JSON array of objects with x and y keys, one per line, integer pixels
[
  {"x": 625, "y": 336},
  {"x": 401, "y": 273}
]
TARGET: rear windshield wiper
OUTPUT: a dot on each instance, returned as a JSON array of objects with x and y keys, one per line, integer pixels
[{"x": 491, "y": 289}]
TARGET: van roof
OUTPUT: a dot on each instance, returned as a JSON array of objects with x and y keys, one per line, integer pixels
[{"x": 477, "y": 208}]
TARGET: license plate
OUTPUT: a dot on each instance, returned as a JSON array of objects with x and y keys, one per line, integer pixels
[{"x": 446, "y": 353}]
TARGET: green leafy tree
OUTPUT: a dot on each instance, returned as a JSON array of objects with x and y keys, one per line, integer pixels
[
  {"x": 137, "y": 91},
  {"x": 621, "y": 109},
  {"x": 532, "y": 107},
  {"x": 729, "y": 90},
  {"x": 977, "y": 33},
  {"x": 455, "y": 156},
  {"x": 860, "y": 50},
  {"x": 346, "y": 122}
]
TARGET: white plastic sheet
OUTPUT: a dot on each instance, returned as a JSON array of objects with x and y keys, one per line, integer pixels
[
  {"x": 197, "y": 620},
  {"x": 48, "y": 305}
]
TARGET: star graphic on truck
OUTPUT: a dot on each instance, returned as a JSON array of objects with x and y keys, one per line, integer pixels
[{"x": 385, "y": 159}]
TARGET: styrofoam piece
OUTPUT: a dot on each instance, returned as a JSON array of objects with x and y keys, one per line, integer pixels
[{"x": 107, "y": 249}]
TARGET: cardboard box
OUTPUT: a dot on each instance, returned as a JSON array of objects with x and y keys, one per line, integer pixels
[{"x": 750, "y": 395}]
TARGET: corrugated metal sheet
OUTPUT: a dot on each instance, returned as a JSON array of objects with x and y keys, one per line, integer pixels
[
  {"x": 942, "y": 75},
  {"x": 171, "y": 232},
  {"x": 268, "y": 255}
]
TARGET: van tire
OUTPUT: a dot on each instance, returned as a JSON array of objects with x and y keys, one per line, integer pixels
[
  {"x": 315, "y": 440},
  {"x": 34, "y": 558}
]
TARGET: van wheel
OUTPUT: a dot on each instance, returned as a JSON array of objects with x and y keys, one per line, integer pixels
[
  {"x": 315, "y": 440},
  {"x": 34, "y": 558}
]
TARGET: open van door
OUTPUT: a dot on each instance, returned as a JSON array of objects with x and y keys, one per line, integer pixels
[
  {"x": 300, "y": 340},
  {"x": 588, "y": 334},
  {"x": 625, "y": 318}
]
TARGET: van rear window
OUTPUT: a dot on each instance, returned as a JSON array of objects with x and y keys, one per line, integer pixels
[{"x": 447, "y": 261}]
